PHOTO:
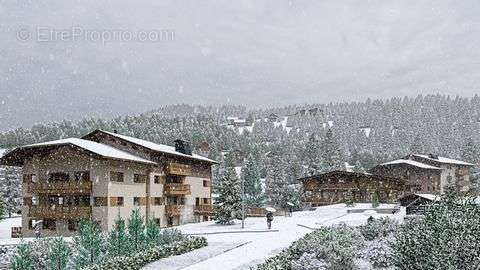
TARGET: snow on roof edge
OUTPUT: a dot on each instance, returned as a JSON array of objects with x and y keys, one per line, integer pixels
[{"x": 410, "y": 162}]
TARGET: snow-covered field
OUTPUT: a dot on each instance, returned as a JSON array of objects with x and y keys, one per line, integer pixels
[
  {"x": 254, "y": 243},
  {"x": 262, "y": 245}
]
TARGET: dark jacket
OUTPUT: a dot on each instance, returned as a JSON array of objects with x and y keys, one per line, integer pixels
[{"x": 269, "y": 216}]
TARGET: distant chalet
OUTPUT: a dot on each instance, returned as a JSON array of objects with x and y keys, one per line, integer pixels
[
  {"x": 105, "y": 174},
  {"x": 340, "y": 186},
  {"x": 428, "y": 174}
]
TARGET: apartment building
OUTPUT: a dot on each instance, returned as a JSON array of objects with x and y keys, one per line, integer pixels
[
  {"x": 428, "y": 173},
  {"x": 105, "y": 174}
]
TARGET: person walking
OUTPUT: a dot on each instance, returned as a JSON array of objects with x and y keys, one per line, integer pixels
[{"x": 269, "y": 220}]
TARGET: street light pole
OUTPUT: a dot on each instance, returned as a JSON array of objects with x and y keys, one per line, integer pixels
[{"x": 243, "y": 203}]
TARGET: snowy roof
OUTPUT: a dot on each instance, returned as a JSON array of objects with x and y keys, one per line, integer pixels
[
  {"x": 430, "y": 197},
  {"x": 94, "y": 147},
  {"x": 410, "y": 162},
  {"x": 445, "y": 160},
  {"x": 157, "y": 147},
  {"x": 2, "y": 152}
]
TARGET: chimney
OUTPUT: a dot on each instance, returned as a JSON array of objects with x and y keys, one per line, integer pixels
[
  {"x": 183, "y": 147},
  {"x": 433, "y": 156},
  {"x": 115, "y": 131}
]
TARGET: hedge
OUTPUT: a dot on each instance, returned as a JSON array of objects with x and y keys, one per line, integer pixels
[{"x": 140, "y": 259}]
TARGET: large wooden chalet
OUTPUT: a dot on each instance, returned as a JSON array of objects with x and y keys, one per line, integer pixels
[{"x": 336, "y": 186}]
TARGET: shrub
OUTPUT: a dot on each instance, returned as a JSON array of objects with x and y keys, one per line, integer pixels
[
  {"x": 379, "y": 252},
  {"x": 168, "y": 236},
  {"x": 336, "y": 246},
  {"x": 23, "y": 258},
  {"x": 380, "y": 227},
  {"x": 140, "y": 259},
  {"x": 309, "y": 261},
  {"x": 448, "y": 237}
]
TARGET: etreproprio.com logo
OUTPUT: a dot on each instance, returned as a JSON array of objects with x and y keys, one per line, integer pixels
[{"x": 78, "y": 33}]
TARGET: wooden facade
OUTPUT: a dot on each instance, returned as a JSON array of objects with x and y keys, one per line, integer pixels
[{"x": 336, "y": 186}]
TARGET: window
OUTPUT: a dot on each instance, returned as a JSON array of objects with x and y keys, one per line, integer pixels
[
  {"x": 116, "y": 176},
  {"x": 206, "y": 183},
  {"x": 82, "y": 176},
  {"x": 49, "y": 224},
  {"x": 58, "y": 177},
  {"x": 29, "y": 178},
  {"x": 136, "y": 201},
  {"x": 157, "y": 221},
  {"x": 116, "y": 201},
  {"x": 72, "y": 225},
  {"x": 140, "y": 178},
  {"x": 158, "y": 201},
  {"x": 100, "y": 201},
  {"x": 158, "y": 179},
  {"x": 206, "y": 201}
]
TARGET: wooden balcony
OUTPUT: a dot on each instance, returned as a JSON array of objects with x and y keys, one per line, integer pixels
[
  {"x": 205, "y": 210},
  {"x": 176, "y": 189},
  {"x": 69, "y": 187},
  {"x": 60, "y": 212},
  {"x": 173, "y": 210},
  {"x": 179, "y": 169}
]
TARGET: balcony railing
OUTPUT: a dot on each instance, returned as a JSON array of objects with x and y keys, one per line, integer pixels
[
  {"x": 205, "y": 209},
  {"x": 70, "y": 187},
  {"x": 60, "y": 212},
  {"x": 179, "y": 169},
  {"x": 176, "y": 189},
  {"x": 173, "y": 210}
]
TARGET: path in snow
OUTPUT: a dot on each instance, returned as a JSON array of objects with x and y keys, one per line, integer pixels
[{"x": 193, "y": 257}]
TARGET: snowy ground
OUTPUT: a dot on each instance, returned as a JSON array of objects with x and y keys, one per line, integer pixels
[
  {"x": 261, "y": 244},
  {"x": 236, "y": 248}
]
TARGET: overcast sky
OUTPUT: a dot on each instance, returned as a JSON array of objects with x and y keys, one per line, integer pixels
[{"x": 255, "y": 53}]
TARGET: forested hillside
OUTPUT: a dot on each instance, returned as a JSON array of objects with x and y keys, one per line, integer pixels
[{"x": 298, "y": 140}]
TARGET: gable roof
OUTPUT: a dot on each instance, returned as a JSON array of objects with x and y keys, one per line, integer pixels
[
  {"x": 152, "y": 146},
  {"x": 103, "y": 150},
  {"x": 411, "y": 163},
  {"x": 445, "y": 160}
]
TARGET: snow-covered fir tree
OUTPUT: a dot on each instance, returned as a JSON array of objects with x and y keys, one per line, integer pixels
[
  {"x": 136, "y": 231},
  {"x": 10, "y": 189},
  {"x": 152, "y": 233},
  {"x": 252, "y": 184},
  {"x": 278, "y": 188},
  {"x": 23, "y": 258},
  {"x": 228, "y": 205},
  {"x": 58, "y": 254},
  {"x": 118, "y": 244},
  {"x": 87, "y": 244},
  {"x": 332, "y": 155}
]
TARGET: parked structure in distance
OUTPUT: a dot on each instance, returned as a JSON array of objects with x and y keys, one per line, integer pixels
[
  {"x": 339, "y": 186},
  {"x": 428, "y": 173},
  {"x": 104, "y": 175}
]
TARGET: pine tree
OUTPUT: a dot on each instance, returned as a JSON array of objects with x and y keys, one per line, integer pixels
[
  {"x": 331, "y": 153},
  {"x": 251, "y": 180},
  {"x": 118, "y": 239},
  {"x": 10, "y": 189},
  {"x": 23, "y": 258},
  {"x": 87, "y": 244},
  {"x": 58, "y": 254},
  {"x": 136, "y": 230},
  {"x": 152, "y": 233},
  {"x": 277, "y": 187},
  {"x": 228, "y": 205}
]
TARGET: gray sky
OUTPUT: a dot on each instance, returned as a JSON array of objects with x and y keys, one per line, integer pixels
[{"x": 255, "y": 53}]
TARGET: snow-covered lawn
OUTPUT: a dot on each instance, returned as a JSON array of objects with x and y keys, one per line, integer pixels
[{"x": 262, "y": 245}]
